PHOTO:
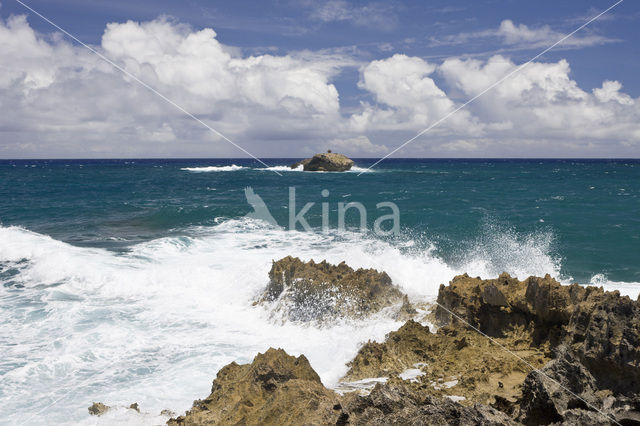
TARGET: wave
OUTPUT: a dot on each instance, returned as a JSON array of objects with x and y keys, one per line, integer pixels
[
  {"x": 154, "y": 324},
  {"x": 630, "y": 289},
  {"x": 282, "y": 168},
  {"x": 231, "y": 168}
]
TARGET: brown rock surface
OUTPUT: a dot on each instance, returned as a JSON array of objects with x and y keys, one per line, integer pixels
[
  {"x": 451, "y": 362},
  {"x": 275, "y": 388},
  {"x": 278, "y": 389},
  {"x": 327, "y": 162},
  {"x": 601, "y": 328},
  {"x": 562, "y": 385},
  {"x": 398, "y": 404},
  {"x": 306, "y": 291}
]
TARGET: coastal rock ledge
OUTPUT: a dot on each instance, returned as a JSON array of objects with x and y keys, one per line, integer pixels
[
  {"x": 279, "y": 389},
  {"x": 327, "y": 162},
  {"x": 504, "y": 352}
]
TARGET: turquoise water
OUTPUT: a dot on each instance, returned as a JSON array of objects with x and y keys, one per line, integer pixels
[
  {"x": 588, "y": 209},
  {"x": 133, "y": 280}
]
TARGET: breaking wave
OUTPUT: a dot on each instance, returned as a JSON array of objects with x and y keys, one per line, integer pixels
[
  {"x": 231, "y": 168},
  {"x": 153, "y": 325}
]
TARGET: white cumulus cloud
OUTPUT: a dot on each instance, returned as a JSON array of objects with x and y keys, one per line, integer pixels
[{"x": 60, "y": 100}]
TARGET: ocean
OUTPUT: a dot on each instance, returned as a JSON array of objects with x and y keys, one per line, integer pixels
[{"x": 133, "y": 280}]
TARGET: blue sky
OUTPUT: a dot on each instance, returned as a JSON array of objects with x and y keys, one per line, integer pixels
[{"x": 358, "y": 56}]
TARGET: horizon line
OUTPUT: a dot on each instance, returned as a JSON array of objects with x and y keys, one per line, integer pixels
[{"x": 303, "y": 157}]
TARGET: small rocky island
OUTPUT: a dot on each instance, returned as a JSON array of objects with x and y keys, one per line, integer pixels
[
  {"x": 327, "y": 162},
  {"x": 489, "y": 352}
]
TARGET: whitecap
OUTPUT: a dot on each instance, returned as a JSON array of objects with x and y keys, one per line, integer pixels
[{"x": 231, "y": 168}]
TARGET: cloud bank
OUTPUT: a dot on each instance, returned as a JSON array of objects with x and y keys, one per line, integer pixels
[{"x": 60, "y": 100}]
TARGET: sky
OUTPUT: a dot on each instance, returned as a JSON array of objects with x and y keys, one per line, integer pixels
[{"x": 289, "y": 78}]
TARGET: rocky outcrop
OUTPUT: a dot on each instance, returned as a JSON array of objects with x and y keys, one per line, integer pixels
[
  {"x": 451, "y": 362},
  {"x": 601, "y": 328},
  {"x": 310, "y": 291},
  {"x": 275, "y": 388},
  {"x": 530, "y": 352},
  {"x": 554, "y": 353},
  {"x": 327, "y": 162},
  {"x": 399, "y": 404},
  {"x": 563, "y": 385}
]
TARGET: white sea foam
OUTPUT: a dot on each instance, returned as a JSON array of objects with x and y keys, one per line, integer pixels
[
  {"x": 231, "y": 168},
  {"x": 154, "y": 325},
  {"x": 630, "y": 289},
  {"x": 282, "y": 168}
]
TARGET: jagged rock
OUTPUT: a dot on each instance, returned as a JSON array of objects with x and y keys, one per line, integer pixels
[
  {"x": 134, "y": 406},
  {"x": 98, "y": 409},
  {"x": 560, "y": 386},
  {"x": 604, "y": 332},
  {"x": 399, "y": 404},
  {"x": 601, "y": 328},
  {"x": 327, "y": 162},
  {"x": 280, "y": 389},
  {"x": 451, "y": 362},
  {"x": 275, "y": 388},
  {"x": 625, "y": 410},
  {"x": 306, "y": 291}
]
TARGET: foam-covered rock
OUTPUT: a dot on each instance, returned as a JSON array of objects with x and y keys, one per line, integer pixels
[{"x": 306, "y": 291}]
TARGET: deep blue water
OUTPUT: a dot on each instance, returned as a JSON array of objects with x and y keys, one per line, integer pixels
[{"x": 586, "y": 211}]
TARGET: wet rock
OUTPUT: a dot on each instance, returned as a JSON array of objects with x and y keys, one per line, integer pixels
[
  {"x": 327, "y": 162},
  {"x": 134, "y": 406},
  {"x": 308, "y": 291},
  {"x": 168, "y": 413},
  {"x": 275, "y": 388},
  {"x": 601, "y": 328},
  {"x": 98, "y": 409}
]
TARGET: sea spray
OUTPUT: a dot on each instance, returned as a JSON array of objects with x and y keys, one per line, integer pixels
[{"x": 154, "y": 324}]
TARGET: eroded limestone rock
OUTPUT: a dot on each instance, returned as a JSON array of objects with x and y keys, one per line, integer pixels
[{"x": 601, "y": 328}]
